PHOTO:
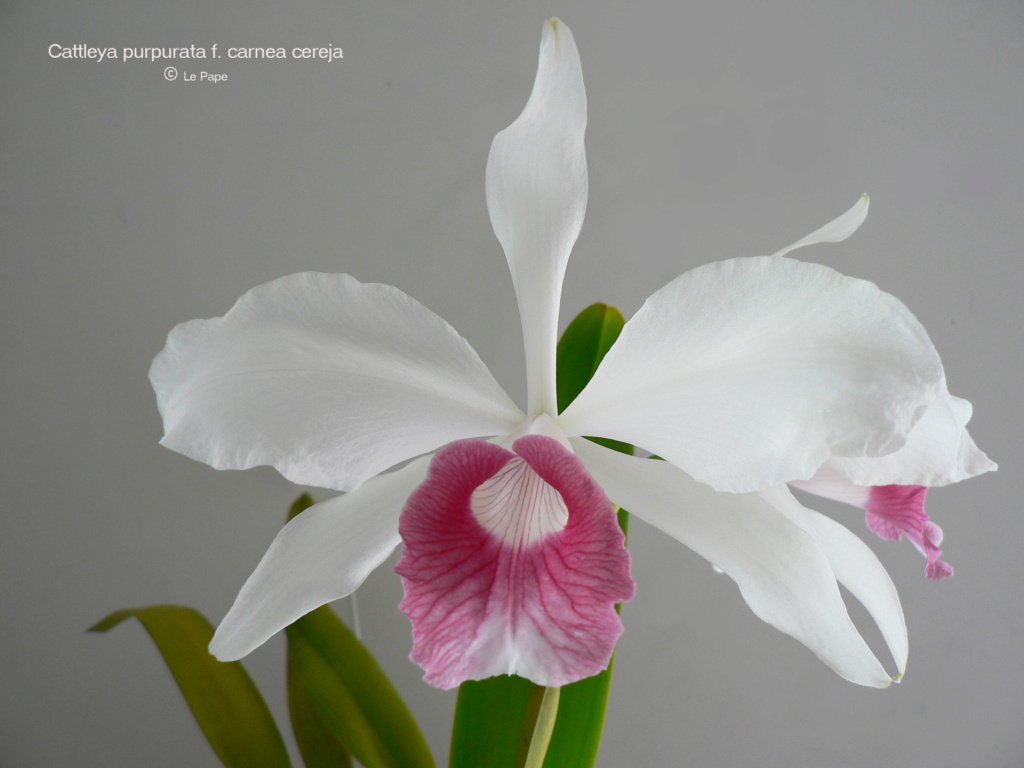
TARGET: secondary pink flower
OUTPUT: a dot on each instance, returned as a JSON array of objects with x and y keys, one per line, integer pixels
[
  {"x": 744, "y": 375},
  {"x": 894, "y": 510}
]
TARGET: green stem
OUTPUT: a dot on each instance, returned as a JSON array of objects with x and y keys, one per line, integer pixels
[{"x": 543, "y": 727}]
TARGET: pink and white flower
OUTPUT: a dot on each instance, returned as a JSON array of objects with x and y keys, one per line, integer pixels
[{"x": 744, "y": 375}]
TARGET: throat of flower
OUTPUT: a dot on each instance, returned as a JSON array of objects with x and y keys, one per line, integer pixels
[{"x": 517, "y": 507}]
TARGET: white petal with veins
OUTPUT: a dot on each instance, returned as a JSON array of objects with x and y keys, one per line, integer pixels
[
  {"x": 320, "y": 556},
  {"x": 517, "y": 506},
  {"x": 783, "y": 571},
  {"x": 537, "y": 196},
  {"x": 327, "y": 379},
  {"x": 749, "y": 373}
]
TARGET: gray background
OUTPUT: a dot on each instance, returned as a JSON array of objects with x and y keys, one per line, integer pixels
[{"x": 717, "y": 129}]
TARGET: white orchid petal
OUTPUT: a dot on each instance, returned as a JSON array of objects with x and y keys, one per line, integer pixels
[
  {"x": 537, "y": 196},
  {"x": 856, "y": 567},
  {"x": 320, "y": 556},
  {"x": 836, "y": 230},
  {"x": 782, "y": 571},
  {"x": 830, "y": 484},
  {"x": 750, "y": 373},
  {"x": 938, "y": 452},
  {"x": 327, "y": 379}
]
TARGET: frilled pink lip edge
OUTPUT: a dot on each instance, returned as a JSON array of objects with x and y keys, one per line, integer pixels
[
  {"x": 895, "y": 510},
  {"x": 513, "y": 562}
]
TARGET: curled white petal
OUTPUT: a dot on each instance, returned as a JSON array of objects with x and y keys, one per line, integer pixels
[
  {"x": 938, "y": 452},
  {"x": 836, "y": 230},
  {"x": 320, "y": 556},
  {"x": 327, "y": 379},
  {"x": 749, "y": 373},
  {"x": 783, "y": 572},
  {"x": 537, "y": 196}
]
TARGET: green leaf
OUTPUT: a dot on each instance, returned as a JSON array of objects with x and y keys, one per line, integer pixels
[
  {"x": 319, "y": 745},
  {"x": 352, "y": 697},
  {"x": 221, "y": 695},
  {"x": 582, "y": 347},
  {"x": 489, "y": 714},
  {"x": 301, "y": 504},
  {"x": 488, "y": 724},
  {"x": 341, "y": 702}
]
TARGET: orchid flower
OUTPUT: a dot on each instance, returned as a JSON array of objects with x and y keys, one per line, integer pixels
[{"x": 744, "y": 376}]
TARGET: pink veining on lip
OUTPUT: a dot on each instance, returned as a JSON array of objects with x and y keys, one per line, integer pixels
[
  {"x": 894, "y": 510},
  {"x": 513, "y": 562}
]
